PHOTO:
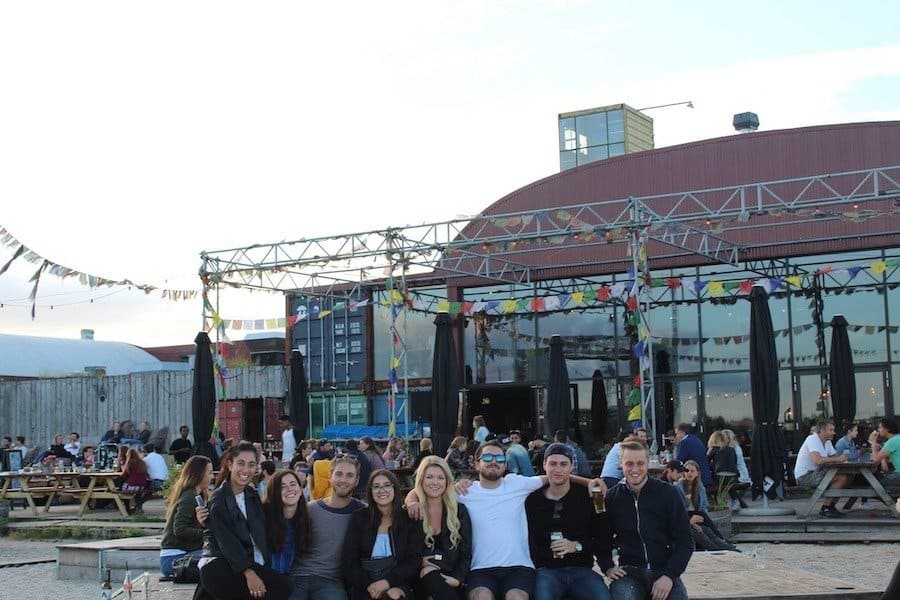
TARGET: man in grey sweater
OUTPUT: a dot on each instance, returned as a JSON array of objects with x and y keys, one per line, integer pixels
[{"x": 317, "y": 572}]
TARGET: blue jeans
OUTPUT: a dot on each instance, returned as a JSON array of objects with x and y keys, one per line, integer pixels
[
  {"x": 579, "y": 583},
  {"x": 165, "y": 562},
  {"x": 638, "y": 583},
  {"x": 313, "y": 587}
]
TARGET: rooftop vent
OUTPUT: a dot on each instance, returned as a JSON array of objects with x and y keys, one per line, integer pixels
[
  {"x": 746, "y": 122},
  {"x": 87, "y": 334}
]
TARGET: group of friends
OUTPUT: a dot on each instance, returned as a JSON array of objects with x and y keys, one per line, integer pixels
[{"x": 503, "y": 535}]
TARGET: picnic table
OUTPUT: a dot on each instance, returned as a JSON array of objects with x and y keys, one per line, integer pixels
[
  {"x": 874, "y": 489},
  {"x": 37, "y": 484},
  {"x": 102, "y": 486}
]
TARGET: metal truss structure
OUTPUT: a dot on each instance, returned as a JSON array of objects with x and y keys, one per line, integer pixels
[{"x": 502, "y": 248}]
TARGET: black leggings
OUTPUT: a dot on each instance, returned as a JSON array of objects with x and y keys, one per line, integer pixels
[
  {"x": 222, "y": 583},
  {"x": 435, "y": 586}
]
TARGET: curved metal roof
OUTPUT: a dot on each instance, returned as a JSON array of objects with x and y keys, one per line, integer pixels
[{"x": 43, "y": 357}]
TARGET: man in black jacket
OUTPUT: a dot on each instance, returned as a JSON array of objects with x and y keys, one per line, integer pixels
[{"x": 651, "y": 531}]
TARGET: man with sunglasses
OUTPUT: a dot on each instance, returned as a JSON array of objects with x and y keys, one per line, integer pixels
[
  {"x": 502, "y": 568},
  {"x": 565, "y": 533}
]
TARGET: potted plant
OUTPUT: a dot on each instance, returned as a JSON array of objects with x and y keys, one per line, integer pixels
[{"x": 720, "y": 504}]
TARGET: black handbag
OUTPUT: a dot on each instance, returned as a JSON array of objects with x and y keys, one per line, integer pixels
[
  {"x": 186, "y": 569},
  {"x": 378, "y": 568}
]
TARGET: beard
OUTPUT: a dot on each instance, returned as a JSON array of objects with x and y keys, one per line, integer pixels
[{"x": 491, "y": 475}]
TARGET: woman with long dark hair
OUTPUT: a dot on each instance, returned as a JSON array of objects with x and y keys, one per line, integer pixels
[
  {"x": 447, "y": 530},
  {"x": 236, "y": 549},
  {"x": 456, "y": 454},
  {"x": 383, "y": 548},
  {"x": 185, "y": 519},
  {"x": 287, "y": 522},
  {"x": 372, "y": 451}
]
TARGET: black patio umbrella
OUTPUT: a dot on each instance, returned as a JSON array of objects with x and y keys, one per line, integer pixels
[
  {"x": 444, "y": 385},
  {"x": 203, "y": 399},
  {"x": 663, "y": 395},
  {"x": 841, "y": 376},
  {"x": 599, "y": 409},
  {"x": 558, "y": 396},
  {"x": 767, "y": 452},
  {"x": 299, "y": 408}
]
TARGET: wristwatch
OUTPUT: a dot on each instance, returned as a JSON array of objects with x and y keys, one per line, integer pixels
[{"x": 578, "y": 547}]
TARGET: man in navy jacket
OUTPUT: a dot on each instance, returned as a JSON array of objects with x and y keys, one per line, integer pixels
[
  {"x": 651, "y": 531},
  {"x": 691, "y": 448}
]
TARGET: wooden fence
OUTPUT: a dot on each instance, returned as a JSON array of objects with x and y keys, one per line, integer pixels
[{"x": 41, "y": 408}]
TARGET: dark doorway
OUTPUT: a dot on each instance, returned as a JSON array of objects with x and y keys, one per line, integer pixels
[{"x": 504, "y": 407}]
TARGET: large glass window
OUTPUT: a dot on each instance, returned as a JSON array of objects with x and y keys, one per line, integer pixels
[
  {"x": 727, "y": 397},
  {"x": 594, "y": 153},
  {"x": 591, "y": 129},
  {"x": 864, "y": 311},
  {"x": 616, "y": 124},
  {"x": 416, "y": 328},
  {"x": 567, "y": 134},
  {"x": 725, "y": 329}
]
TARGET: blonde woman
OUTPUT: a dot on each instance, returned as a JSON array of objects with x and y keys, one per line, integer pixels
[
  {"x": 426, "y": 448},
  {"x": 723, "y": 460},
  {"x": 743, "y": 472},
  {"x": 447, "y": 555}
]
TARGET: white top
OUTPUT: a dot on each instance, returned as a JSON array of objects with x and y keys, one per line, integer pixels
[
  {"x": 288, "y": 445},
  {"x": 743, "y": 472},
  {"x": 73, "y": 448},
  {"x": 499, "y": 526},
  {"x": 242, "y": 504},
  {"x": 612, "y": 466},
  {"x": 156, "y": 466},
  {"x": 481, "y": 434},
  {"x": 805, "y": 463}
]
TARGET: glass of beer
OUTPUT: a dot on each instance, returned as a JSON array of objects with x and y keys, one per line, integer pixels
[
  {"x": 599, "y": 500},
  {"x": 554, "y": 536}
]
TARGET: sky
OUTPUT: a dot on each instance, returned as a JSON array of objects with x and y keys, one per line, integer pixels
[{"x": 133, "y": 136}]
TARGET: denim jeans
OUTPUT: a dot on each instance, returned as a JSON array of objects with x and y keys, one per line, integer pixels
[
  {"x": 636, "y": 585},
  {"x": 579, "y": 583},
  {"x": 313, "y": 587},
  {"x": 165, "y": 562}
]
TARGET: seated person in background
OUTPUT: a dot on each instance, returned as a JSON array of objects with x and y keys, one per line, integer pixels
[
  {"x": 266, "y": 469},
  {"x": 814, "y": 456},
  {"x": 743, "y": 471},
  {"x": 889, "y": 454},
  {"x": 723, "y": 459},
  {"x": 447, "y": 550},
  {"x": 612, "y": 468},
  {"x": 87, "y": 457},
  {"x": 320, "y": 482},
  {"x": 706, "y": 535},
  {"x": 536, "y": 449},
  {"x": 135, "y": 479},
  {"x": 73, "y": 446},
  {"x": 394, "y": 452},
  {"x": 185, "y": 519},
  {"x": 365, "y": 467},
  {"x": 456, "y": 457},
  {"x": 517, "y": 459},
  {"x": 181, "y": 448},
  {"x": 426, "y": 448},
  {"x": 847, "y": 443},
  {"x": 382, "y": 551},
  {"x": 144, "y": 434},
  {"x": 157, "y": 469},
  {"x": 114, "y": 435},
  {"x": 673, "y": 472}
]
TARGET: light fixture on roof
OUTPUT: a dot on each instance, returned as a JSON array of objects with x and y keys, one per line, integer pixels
[{"x": 688, "y": 103}]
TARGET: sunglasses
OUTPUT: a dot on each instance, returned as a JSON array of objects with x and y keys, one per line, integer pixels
[
  {"x": 500, "y": 458},
  {"x": 557, "y": 510}
]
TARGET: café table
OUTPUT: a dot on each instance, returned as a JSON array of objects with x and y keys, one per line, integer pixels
[
  {"x": 874, "y": 489},
  {"x": 102, "y": 486}
]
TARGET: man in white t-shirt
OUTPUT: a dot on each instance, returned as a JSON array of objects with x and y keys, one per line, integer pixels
[
  {"x": 157, "y": 470},
  {"x": 288, "y": 439},
  {"x": 815, "y": 455},
  {"x": 501, "y": 566}
]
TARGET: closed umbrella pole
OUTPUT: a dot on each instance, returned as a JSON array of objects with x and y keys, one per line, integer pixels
[
  {"x": 299, "y": 395},
  {"x": 558, "y": 396},
  {"x": 841, "y": 374},
  {"x": 599, "y": 409},
  {"x": 445, "y": 404},
  {"x": 767, "y": 451},
  {"x": 203, "y": 398}
]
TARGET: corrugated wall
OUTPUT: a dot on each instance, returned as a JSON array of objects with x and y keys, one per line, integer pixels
[{"x": 40, "y": 408}]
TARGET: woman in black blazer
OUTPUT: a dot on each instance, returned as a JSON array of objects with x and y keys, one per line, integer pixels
[
  {"x": 447, "y": 541},
  {"x": 235, "y": 552},
  {"x": 383, "y": 548}
]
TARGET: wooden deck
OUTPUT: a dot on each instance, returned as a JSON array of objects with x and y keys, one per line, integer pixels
[{"x": 733, "y": 576}]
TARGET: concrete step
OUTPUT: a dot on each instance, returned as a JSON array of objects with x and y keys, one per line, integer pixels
[
  {"x": 818, "y": 537},
  {"x": 89, "y": 560}
]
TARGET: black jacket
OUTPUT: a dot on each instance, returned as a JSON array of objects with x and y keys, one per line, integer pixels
[
  {"x": 456, "y": 460},
  {"x": 724, "y": 460},
  {"x": 365, "y": 469},
  {"x": 228, "y": 533},
  {"x": 457, "y": 560},
  {"x": 406, "y": 545},
  {"x": 652, "y": 527},
  {"x": 578, "y": 522}
]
